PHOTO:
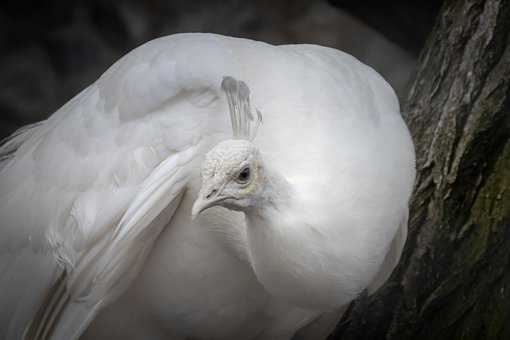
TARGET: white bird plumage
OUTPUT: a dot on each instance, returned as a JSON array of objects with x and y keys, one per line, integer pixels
[{"x": 95, "y": 202}]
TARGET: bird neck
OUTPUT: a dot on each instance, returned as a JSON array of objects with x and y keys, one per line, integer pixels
[
  {"x": 274, "y": 194},
  {"x": 291, "y": 258}
]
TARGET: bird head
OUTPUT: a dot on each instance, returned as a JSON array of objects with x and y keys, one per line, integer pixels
[
  {"x": 231, "y": 170},
  {"x": 230, "y": 177}
]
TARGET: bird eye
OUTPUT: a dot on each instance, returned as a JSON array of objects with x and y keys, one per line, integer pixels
[{"x": 244, "y": 176}]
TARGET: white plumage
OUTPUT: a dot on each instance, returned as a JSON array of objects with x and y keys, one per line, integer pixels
[{"x": 96, "y": 201}]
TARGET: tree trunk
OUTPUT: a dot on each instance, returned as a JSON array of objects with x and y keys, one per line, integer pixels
[{"x": 453, "y": 281}]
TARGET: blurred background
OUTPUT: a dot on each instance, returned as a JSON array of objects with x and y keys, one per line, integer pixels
[{"x": 50, "y": 50}]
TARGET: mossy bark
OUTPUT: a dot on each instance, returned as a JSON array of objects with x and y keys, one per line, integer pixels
[{"x": 453, "y": 281}]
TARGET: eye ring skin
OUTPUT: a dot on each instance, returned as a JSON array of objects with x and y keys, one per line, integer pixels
[{"x": 244, "y": 176}]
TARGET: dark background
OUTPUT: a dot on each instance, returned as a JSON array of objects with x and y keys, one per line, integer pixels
[{"x": 50, "y": 50}]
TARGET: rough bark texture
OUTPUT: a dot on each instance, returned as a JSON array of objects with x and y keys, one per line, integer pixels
[{"x": 453, "y": 281}]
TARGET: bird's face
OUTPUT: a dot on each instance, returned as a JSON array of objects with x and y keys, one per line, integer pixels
[{"x": 230, "y": 177}]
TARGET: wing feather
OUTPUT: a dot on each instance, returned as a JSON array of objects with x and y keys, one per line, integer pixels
[
  {"x": 102, "y": 274},
  {"x": 84, "y": 194}
]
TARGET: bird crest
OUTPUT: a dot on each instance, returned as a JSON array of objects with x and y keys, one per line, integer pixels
[{"x": 244, "y": 124}]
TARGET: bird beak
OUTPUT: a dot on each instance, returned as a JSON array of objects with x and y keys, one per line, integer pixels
[{"x": 207, "y": 197}]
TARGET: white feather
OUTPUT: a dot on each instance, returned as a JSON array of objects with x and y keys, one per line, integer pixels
[{"x": 100, "y": 186}]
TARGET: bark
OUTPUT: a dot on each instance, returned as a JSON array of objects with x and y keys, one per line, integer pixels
[{"x": 453, "y": 281}]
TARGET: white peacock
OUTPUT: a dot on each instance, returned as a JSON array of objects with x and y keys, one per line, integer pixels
[{"x": 294, "y": 218}]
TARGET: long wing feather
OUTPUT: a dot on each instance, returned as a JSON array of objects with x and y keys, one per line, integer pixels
[
  {"x": 103, "y": 273},
  {"x": 84, "y": 194}
]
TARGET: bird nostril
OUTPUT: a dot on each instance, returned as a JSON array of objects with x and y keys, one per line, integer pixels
[{"x": 211, "y": 193}]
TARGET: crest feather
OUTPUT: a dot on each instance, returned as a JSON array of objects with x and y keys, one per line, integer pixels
[{"x": 244, "y": 125}]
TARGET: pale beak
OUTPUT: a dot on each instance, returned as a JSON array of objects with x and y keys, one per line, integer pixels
[{"x": 207, "y": 197}]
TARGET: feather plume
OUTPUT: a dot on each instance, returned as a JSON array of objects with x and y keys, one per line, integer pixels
[{"x": 244, "y": 125}]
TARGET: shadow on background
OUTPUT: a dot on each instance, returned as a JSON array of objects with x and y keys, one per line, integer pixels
[{"x": 51, "y": 50}]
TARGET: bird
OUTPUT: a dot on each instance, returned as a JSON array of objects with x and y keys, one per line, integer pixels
[{"x": 205, "y": 187}]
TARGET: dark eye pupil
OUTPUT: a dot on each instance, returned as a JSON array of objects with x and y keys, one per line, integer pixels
[{"x": 244, "y": 175}]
